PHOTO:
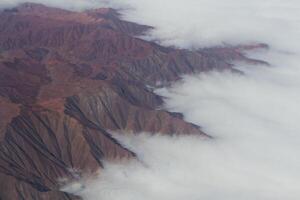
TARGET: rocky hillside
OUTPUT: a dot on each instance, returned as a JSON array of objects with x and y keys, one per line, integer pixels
[{"x": 67, "y": 79}]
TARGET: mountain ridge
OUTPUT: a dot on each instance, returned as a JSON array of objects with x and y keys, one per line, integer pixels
[{"x": 69, "y": 78}]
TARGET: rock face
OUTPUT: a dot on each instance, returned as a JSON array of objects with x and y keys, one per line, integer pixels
[{"x": 67, "y": 79}]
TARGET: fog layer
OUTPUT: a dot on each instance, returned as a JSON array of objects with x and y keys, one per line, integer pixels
[
  {"x": 195, "y": 23},
  {"x": 253, "y": 117},
  {"x": 254, "y": 153}
]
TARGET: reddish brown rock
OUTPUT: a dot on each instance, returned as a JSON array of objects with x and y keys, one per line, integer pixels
[{"x": 67, "y": 79}]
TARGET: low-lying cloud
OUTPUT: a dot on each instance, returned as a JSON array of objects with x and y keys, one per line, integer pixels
[
  {"x": 252, "y": 117},
  {"x": 195, "y": 23},
  {"x": 189, "y": 168},
  {"x": 254, "y": 153}
]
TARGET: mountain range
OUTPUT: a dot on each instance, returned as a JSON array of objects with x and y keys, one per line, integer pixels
[{"x": 69, "y": 79}]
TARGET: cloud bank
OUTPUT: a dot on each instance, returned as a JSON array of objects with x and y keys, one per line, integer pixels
[
  {"x": 195, "y": 23},
  {"x": 253, "y": 117},
  {"x": 254, "y": 154},
  {"x": 188, "y": 168}
]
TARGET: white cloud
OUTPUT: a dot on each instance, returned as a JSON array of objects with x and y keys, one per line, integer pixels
[
  {"x": 254, "y": 154},
  {"x": 253, "y": 117},
  {"x": 212, "y": 22}
]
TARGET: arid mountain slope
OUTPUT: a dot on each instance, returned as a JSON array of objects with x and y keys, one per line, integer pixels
[{"x": 67, "y": 79}]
